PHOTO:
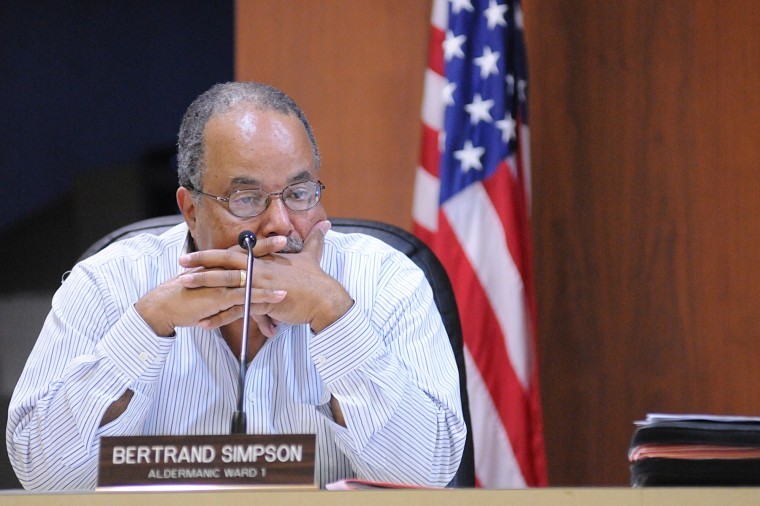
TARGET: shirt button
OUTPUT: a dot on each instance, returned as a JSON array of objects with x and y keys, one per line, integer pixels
[
  {"x": 321, "y": 359},
  {"x": 144, "y": 356}
]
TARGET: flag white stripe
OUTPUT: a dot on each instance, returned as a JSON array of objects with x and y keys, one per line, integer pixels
[
  {"x": 440, "y": 15},
  {"x": 425, "y": 206},
  {"x": 479, "y": 231},
  {"x": 495, "y": 461},
  {"x": 432, "y": 101}
]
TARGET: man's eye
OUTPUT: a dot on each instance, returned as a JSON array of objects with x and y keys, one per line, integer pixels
[
  {"x": 298, "y": 194},
  {"x": 248, "y": 200}
]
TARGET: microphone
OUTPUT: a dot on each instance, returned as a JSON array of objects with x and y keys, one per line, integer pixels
[
  {"x": 246, "y": 237},
  {"x": 246, "y": 240}
]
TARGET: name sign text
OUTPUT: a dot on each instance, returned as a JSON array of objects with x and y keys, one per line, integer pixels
[{"x": 239, "y": 459}]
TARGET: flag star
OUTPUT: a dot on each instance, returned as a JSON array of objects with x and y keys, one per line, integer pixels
[
  {"x": 452, "y": 45},
  {"x": 510, "y": 79},
  {"x": 469, "y": 156},
  {"x": 479, "y": 109},
  {"x": 518, "y": 17},
  {"x": 495, "y": 14},
  {"x": 507, "y": 127},
  {"x": 521, "y": 85},
  {"x": 487, "y": 62},
  {"x": 458, "y": 5},
  {"x": 448, "y": 93}
]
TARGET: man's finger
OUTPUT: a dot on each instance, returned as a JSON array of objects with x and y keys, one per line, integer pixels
[
  {"x": 268, "y": 245},
  {"x": 230, "y": 258},
  {"x": 222, "y": 318},
  {"x": 265, "y": 325},
  {"x": 211, "y": 278}
]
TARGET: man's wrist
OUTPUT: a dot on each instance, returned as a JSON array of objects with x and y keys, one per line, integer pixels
[
  {"x": 334, "y": 309},
  {"x": 156, "y": 323}
]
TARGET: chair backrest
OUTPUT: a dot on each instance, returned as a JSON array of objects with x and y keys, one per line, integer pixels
[{"x": 403, "y": 241}]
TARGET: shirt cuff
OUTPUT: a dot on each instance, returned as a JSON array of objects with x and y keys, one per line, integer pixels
[
  {"x": 135, "y": 348},
  {"x": 345, "y": 345}
]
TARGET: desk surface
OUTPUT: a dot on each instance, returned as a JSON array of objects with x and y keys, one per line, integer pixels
[{"x": 533, "y": 497}]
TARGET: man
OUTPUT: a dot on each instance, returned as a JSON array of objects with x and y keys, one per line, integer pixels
[{"x": 143, "y": 337}]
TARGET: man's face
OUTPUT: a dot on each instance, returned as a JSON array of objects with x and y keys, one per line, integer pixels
[{"x": 245, "y": 149}]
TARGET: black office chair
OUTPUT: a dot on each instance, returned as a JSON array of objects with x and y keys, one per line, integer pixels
[
  {"x": 7, "y": 474},
  {"x": 403, "y": 241}
]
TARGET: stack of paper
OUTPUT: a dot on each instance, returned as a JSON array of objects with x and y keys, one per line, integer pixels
[
  {"x": 710, "y": 450},
  {"x": 359, "y": 484}
]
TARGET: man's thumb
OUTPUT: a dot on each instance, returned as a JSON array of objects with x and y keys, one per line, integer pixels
[{"x": 316, "y": 238}]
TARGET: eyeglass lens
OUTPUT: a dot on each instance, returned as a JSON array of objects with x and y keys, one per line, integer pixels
[{"x": 297, "y": 197}]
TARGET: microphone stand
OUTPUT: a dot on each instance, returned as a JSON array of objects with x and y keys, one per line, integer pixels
[{"x": 247, "y": 240}]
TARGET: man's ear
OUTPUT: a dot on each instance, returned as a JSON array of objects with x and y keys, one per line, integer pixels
[{"x": 186, "y": 204}]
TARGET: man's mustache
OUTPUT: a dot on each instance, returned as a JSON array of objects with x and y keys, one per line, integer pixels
[{"x": 293, "y": 244}]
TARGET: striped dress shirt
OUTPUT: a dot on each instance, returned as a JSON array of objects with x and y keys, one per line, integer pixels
[{"x": 387, "y": 361}]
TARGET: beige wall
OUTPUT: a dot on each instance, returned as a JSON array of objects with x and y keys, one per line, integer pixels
[{"x": 644, "y": 120}]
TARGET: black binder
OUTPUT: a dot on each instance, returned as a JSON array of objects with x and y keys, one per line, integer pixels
[{"x": 695, "y": 450}]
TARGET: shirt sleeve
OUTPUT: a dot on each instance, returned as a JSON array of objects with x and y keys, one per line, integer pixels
[
  {"x": 389, "y": 364},
  {"x": 87, "y": 355}
]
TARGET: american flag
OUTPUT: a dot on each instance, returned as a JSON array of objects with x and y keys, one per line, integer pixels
[{"x": 472, "y": 206}]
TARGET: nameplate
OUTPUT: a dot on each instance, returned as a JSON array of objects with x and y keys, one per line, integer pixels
[{"x": 240, "y": 459}]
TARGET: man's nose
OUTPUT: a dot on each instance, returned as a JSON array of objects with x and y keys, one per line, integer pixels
[{"x": 275, "y": 220}]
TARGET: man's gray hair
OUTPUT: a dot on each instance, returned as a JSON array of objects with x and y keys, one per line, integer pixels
[{"x": 219, "y": 99}]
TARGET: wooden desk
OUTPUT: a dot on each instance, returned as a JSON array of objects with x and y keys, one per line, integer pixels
[{"x": 534, "y": 497}]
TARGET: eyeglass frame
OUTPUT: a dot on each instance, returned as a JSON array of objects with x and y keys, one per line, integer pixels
[{"x": 225, "y": 201}]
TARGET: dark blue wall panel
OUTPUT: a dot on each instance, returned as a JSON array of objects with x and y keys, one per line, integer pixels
[{"x": 92, "y": 84}]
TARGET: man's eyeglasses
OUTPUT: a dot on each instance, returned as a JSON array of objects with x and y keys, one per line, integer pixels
[{"x": 250, "y": 203}]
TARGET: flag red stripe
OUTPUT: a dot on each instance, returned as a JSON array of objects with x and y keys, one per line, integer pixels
[
  {"x": 423, "y": 233},
  {"x": 522, "y": 200},
  {"x": 538, "y": 475},
  {"x": 435, "y": 50},
  {"x": 430, "y": 156},
  {"x": 536, "y": 437},
  {"x": 502, "y": 188},
  {"x": 509, "y": 198},
  {"x": 483, "y": 337}
]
